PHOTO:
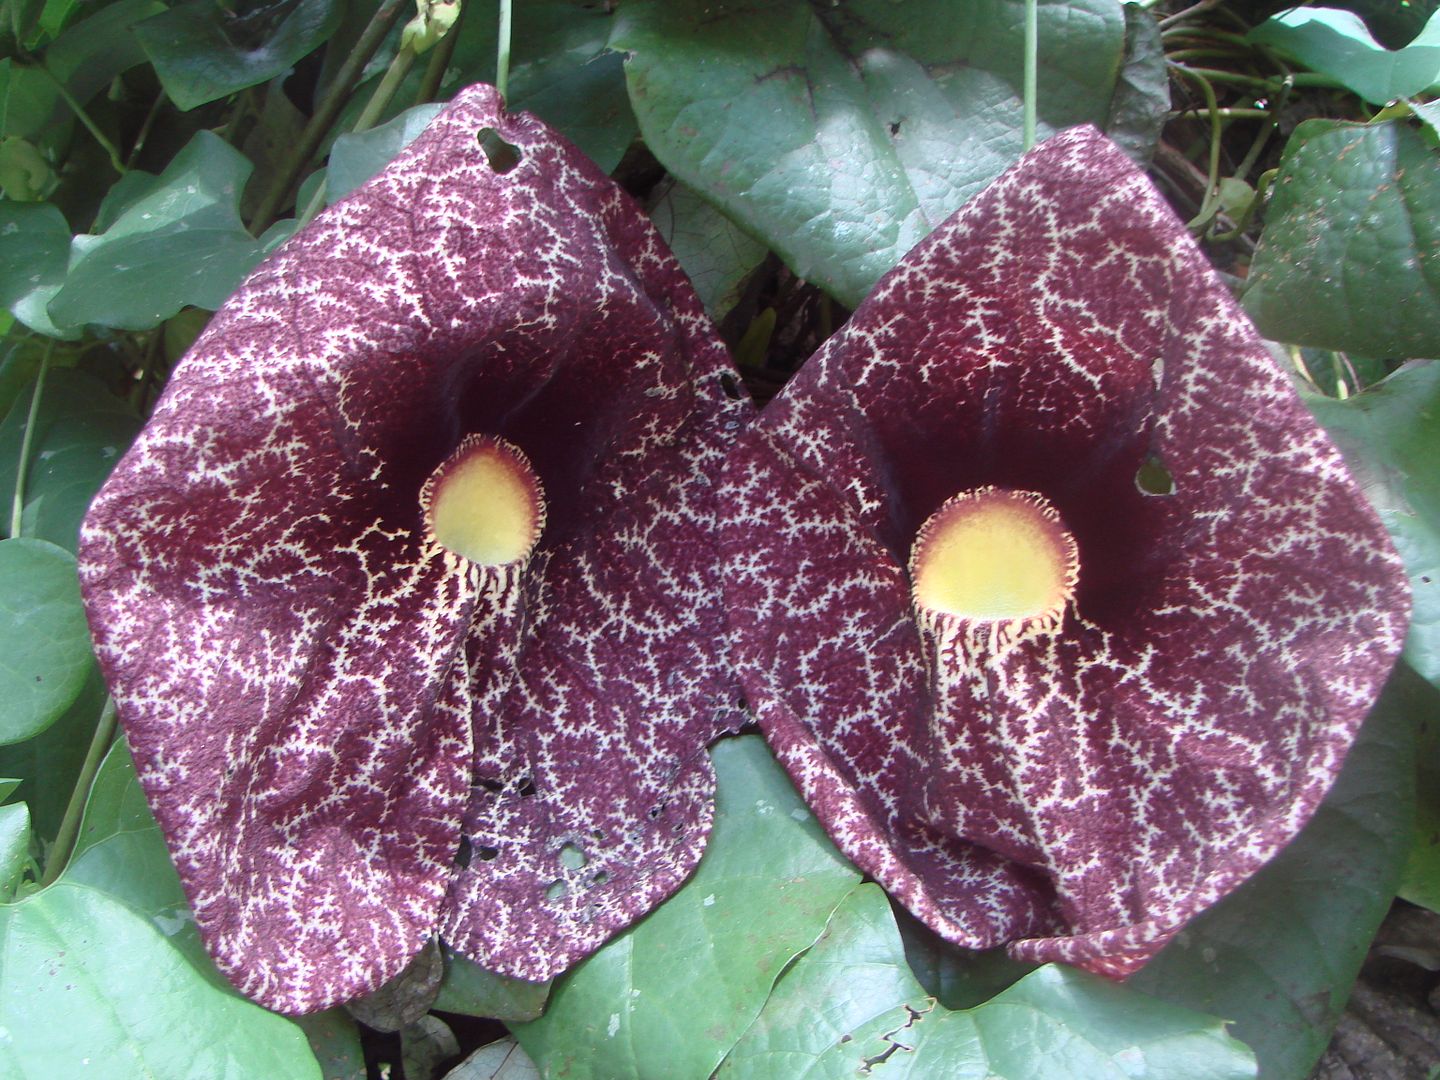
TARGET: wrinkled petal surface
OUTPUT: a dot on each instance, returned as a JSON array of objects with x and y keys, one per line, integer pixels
[
  {"x": 320, "y": 699},
  {"x": 1088, "y": 791}
]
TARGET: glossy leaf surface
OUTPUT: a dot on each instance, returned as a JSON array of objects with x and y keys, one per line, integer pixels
[
  {"x": 1390, "y": 435},
  {"x": 33, "y": 260},
  {"x": 1350, "y": 258},
  {"x": 202, "y": 51},
  {"x": 1337, "y": 43},
  {"x": 72, "y": 960},
  {"x": 81, "y": 429},
  {"x": 671, "y": 996},
  {"x": 850, "y": 1006},
  {"x": 44, "y": 642},
  {"x": 845, "y": 133},
  {"x": 181, "y": 244}
]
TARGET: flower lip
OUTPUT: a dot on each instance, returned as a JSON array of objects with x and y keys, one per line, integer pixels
[
  {"x": 995, "y": 556},
  {"x": 484, "y": 502}
]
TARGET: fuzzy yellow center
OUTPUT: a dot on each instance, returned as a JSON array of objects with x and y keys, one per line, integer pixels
[
  {"x": 994, "y": 555},
  {"x": 485, "y": 502}
]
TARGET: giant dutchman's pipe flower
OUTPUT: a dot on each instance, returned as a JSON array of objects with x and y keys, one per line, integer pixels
[
  {"x": 1052, "y": 598},
  {"x": 408, "y": 594}
]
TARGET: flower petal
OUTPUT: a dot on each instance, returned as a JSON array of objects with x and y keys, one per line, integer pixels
[
  {"x": 307, "y": 677},
  {"x": 1091, "y": 789}
]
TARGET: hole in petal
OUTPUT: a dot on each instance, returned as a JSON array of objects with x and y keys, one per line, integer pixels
[
  {"x": 600, "y": 878},
  {"x": 730, "y": 386},
  {"x": 486, "y": 854},
  {"x": 1154, "y": 479},
  {"x": 503, "y": 156},
  {"x": 462, "y": 855},
  {"x": 556, "y": 890},
  {"x": 527, "y": 788},
  {"x": 492, "y": 786},
  {"x": 485, "y": 502},
  {"x": 572, "y": 858}
]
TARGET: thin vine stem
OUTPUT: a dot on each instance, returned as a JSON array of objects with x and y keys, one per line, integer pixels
[
  {"x": 1189, "y": 13},
  {"x": 75, "y": 809},
  {"x": 385, "y": 91},
  {"x": 22, "y": 466},
  {"x": 139, "y": 143},
  {"x": 84, "y": 118},
  {"x": 374, "y": 109},
  {"x": 1270, "y": 84},
  {"x": 1032, "y": 62},
  {"x": 1212, "y": 182},
  {"x": 502, "y": 50},
  {"x": 326, "y": 114},
  {"x": 439, "y": 62}
]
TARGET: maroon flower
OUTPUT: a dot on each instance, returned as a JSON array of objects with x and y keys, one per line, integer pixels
[
  {"x": 422, "y": 530},
  {"x": 1146, "y": 607}
]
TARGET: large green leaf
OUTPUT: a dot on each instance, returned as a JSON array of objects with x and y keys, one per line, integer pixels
[
  {"x": 356, "y": 157},
  {"x": 85, "y": 58},
  {"x": 335, "y": 1042},
  {"x": 715, "y": 254},
  {"x": 33, "y": 256},
  {"x": 1390, "y": 436},
  {"x": 670, "y": 996},
  {"x": 44, "y": 639},
  {"x": 182, "y": 244},
  {"x": 1338, "y": 44},
  {"x": 843, "y": 133},
  {"x": 49, "y": 764},
  {"x": 121, "y": 851},
  {"x": 90, "y": 988},
  {"x": 1278, "y": 956},
  {"x": 1395, "y": 23},
  {"x": 1350, "y": 258},
  {"x": 850, "y": 1006},
  {"x": 14, "y": 847},
  {"x": 203, "y": 50},
  {"x": 81, "y": 429},
  {"x": 472, "y": 991}
]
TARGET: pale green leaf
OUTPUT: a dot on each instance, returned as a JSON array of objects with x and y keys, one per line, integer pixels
[
  {"x": 180, "y": 245},
  {"x": 44, "y": 639},
  {"x": 203, "y": 49},
  {"x": 851, "y": 1007},
  {"x": 669, "y": 997},
  {"x": 1350, "y": 256},
  {"x": 1337, "y": 43},
  {"x": 90, "y": 988},
  {"x": 844, "y": 133}
]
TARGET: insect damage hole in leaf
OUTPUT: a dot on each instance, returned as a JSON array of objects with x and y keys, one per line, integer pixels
[
  {"x": 869, "y": 1064},
  {"x": 503, "y": 156}
]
